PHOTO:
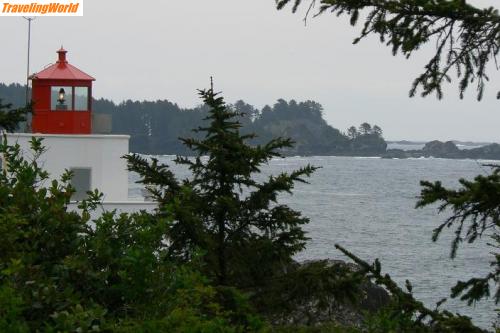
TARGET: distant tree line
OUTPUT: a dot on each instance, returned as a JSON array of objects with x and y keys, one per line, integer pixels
[
  {"x": 155, "y": 126},
  {"x": 364, "y": 129},
  {"x": 14, "y": 94}
]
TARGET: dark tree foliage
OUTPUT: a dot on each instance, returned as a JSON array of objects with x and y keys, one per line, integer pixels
[
  {"x": 304, "y": 124},
  {"x": 246, "y": 236},
  {"x": 247, "y": 111},
  {"x": 14, "y": 93},
  {"x": 365, "y": 128},
  {"x": 352, "y": 132},
  {"x": 466, "y": 38},
  {"x": 366, "y": 140},
  {"x": 60, "y": 273},
  {"x": 308, "y": 291},
  {"x": 10, "y": 118},
  {"x": 406, "y": 314},
  {"x": 39, "y": 241},
  {"x": 475, "y": 209},
  {"x": 155, "y": 126}
]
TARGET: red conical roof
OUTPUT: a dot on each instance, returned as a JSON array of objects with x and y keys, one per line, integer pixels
[{"x": 62, "y": 70}]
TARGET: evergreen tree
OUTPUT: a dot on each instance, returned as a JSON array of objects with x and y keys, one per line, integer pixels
[
  {"x": 155, "y": 126},
  {"x": 248, "y": 112},
  {"x": 60, "y": 274},
  {"x": 352, "y": 132},
  {"x": 10, "y": 118},
  {"x": 466, "y": 38},
  {"x": 365, "y": 128},
  {"x": 476, "y": 211},
  {"x": 377, "y": 130},
  {"x": 405, "y": 313},
  {"x": 245, "y": 235},
  {"x": 14, "y": 93}
]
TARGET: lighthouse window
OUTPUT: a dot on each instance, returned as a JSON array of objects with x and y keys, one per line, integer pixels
[
  {"x": 81, "y": 182},
  {"x": 81, "y": 98},
  {"x": 61, "y": 98}
]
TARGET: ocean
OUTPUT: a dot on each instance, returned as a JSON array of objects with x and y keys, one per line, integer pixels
[{"x": 367, "y": 205}]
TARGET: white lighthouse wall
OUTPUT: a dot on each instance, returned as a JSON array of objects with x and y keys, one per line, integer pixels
[{"x": 101, "y": 153}]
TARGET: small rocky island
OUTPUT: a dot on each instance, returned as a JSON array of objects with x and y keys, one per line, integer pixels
[{"x": 447, "y": 149}]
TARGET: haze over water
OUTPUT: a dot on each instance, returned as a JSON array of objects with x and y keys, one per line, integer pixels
[{"x": 367, "y": 206}]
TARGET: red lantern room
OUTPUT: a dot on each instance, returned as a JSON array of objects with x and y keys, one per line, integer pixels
[{"x": 62, "y": 96}]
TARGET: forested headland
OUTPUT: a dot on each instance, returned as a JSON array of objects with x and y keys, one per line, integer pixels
[{"x": 155, "y": 126}]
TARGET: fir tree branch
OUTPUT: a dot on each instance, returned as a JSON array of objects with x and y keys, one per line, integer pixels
[
  {"x": 10, "y": 118},
  {"x": 467, "y": 38},
  {"x": 440, "y": 321}
]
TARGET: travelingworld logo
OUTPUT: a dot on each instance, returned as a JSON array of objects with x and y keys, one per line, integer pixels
[{"x": 41, "y": 8}]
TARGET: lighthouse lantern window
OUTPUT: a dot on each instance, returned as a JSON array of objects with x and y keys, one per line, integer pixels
[
  {"x": 61, "y": 98},
  {"x": 81, "y": 98}
]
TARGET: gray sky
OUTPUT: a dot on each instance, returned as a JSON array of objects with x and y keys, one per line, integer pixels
[{"x": 168, "y": 49}]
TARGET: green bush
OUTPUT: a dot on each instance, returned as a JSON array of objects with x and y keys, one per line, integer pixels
[{"x": 61, "y": 273}]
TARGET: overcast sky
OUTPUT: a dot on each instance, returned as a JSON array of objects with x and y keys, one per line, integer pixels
[{"x": 168, "y": 49}]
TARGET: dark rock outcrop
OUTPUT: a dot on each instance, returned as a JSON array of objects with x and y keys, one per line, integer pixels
[
  {"x": 315, "y": 294},
  {"x": 447, "y": 149},
  {"x": 489, "y": 152},
  {"x": 398, "y": 153},
  {"x": 441, "y": 149}
]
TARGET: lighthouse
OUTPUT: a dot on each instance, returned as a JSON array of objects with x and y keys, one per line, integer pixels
[
  {"x": 62, "y": 117},
  {"x": 62, "y": 99}
]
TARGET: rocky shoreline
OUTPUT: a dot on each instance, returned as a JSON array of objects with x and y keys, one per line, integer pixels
[{"x": 447, "y": 149}]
